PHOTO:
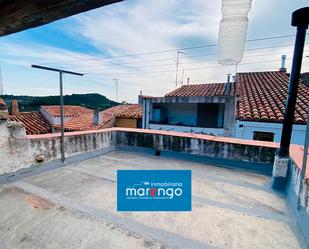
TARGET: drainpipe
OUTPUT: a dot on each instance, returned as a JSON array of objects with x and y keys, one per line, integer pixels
[{"x": 300, "y": 19}]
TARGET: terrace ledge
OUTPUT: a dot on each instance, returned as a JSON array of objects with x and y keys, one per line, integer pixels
[{"x": 296, "y": 151}]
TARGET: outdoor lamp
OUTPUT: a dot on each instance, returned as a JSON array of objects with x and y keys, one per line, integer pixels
[{"x": 233, "y": 31}]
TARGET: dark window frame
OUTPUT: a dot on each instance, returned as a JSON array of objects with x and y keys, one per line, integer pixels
[{"x": 263, "y": 136}]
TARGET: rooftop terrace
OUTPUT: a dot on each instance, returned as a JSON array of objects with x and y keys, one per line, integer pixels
[
  {"x": 73, "y": 204},
  {"x": 75, "y": 207}
]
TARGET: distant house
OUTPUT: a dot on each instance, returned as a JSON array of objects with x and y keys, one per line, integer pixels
[
  {"x": 202, "y": 108},
  {"x": 76, "y": 118},
  {"x": 261, "y": 106},
  {"x": 252, "y": 107},
  {"x": 129, "y": 115},
  {"x": 52, "y": 112}
]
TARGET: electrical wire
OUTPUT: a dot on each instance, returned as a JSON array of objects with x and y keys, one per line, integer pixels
[
  {"x": 122, "y": 66},
  {"x": 186, "y": 69},
  {"x": 166, "y": 51},
  {"x": 188, "y": 56}
]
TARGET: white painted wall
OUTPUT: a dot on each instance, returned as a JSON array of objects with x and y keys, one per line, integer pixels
[
  {"x": 188, "y": 129},
  {"x": 50, "y": 118},
  {"x": 246, "y": 132}
]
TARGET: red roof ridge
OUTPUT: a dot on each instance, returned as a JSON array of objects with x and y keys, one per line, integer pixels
[
  {"x": 268, "y": 71},
  {"x": 203, "y": 89}
]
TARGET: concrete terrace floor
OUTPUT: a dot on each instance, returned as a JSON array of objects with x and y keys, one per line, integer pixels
[{"x": 75, "y": 207}]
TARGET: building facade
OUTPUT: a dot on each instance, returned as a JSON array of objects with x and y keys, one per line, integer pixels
[
  {"x": 252, "y": 108},
  {"x": 186, "y": 110}
]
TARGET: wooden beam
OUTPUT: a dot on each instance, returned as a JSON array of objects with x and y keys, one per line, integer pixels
[{"x": 18, "y": 15}]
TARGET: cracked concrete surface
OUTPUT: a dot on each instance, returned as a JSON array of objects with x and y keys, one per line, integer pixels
[{"x": 75, "y": 207}]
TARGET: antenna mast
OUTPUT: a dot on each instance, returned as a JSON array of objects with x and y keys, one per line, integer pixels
[{"x": 177, "y": 67}]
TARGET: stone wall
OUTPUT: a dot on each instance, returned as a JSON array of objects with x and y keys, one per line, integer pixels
[
  {"x": 298, "y": 195},
  {"x": 197, "y": 145},
  {"x": 20, "y": 151}
]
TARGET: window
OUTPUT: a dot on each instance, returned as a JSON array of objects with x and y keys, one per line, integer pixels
[{"x": 263, "y": 136}]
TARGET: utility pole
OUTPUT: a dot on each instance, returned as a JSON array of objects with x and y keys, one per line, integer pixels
[
  {"x": 61, "y": 73},
  {"x": 177, "y": 66},
  {"x": 116, "y": 82}
]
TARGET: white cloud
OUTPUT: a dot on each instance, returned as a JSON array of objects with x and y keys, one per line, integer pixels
[{"x": 141, "y": 26}]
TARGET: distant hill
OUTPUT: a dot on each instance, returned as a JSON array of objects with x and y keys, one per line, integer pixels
[{"x": 32, "y": 103}]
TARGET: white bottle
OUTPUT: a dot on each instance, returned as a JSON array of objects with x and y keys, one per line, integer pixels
[{"x": 233, "y": 31}]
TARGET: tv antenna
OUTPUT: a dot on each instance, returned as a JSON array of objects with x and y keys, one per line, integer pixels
[{"x": 177, "y": 66}]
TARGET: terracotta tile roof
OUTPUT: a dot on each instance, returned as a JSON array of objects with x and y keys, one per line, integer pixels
[
  {"x": 262, "y": 97},
  {"x": 69, "y": 110},
  {"x": 85, "y": 122},
  {"x": 211, "y": 89},
  {"x": 34, "y": 122},
  {"x": 125, "y": 111}
]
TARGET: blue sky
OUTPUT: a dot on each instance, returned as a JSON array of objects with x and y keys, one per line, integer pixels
[{"x": 81, "y": 42}]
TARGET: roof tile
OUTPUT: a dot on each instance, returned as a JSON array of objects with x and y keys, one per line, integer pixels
[
  {"x": 34, "y": 122},
  {"x": 211, "y": 89},
  {"x": 85, "y": 121},
  {"x": 69, "y": 110},
  {"x": 262, "y": 97}
]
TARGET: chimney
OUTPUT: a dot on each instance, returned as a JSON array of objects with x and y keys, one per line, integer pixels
[
  {"x": 228, "y": 85},
  {"x": 188, "y": 81},
  {"x": 15, "y": 109},
  {"x": 3, "y": 110},
  {"x": 97, "y": 118},
  {"x": 283, "y": 60}
]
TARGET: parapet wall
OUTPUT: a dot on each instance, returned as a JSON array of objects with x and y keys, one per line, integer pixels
[
  {"x": 19, "y": 151},
  {"x": 202, "y": 145},
  {"x": 298, "y": 195}
]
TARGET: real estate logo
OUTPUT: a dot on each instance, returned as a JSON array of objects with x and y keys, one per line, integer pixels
[{"x": 154, "y": 190}]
